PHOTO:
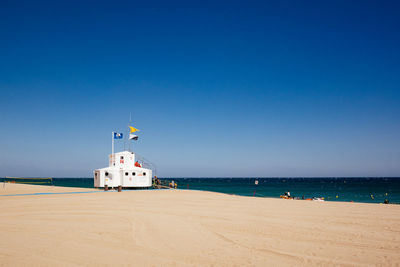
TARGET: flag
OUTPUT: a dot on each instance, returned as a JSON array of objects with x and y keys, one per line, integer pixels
[
  {"x": 118, "y": 135},
  {"x": 133, "y": 137},
  {"x": 133, "y": 129}
]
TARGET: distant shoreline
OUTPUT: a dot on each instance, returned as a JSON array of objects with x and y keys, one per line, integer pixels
[{"x": 363, "y": 190}]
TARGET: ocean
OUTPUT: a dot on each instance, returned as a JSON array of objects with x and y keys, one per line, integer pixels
[{"x": 370, "y": 190}]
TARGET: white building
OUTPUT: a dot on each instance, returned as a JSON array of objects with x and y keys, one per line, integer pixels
[{"x": 123, "y": 171}]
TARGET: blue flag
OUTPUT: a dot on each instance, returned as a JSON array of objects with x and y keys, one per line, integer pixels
[{"x": 118, "y": 135}]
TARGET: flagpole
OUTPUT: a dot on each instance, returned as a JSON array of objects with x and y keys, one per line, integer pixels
[
  {"x": 112, "y": 149},
  {"x": 129, "y": 132}
]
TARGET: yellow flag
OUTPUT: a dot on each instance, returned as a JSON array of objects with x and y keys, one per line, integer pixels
[{"x": 133, "y": 129}]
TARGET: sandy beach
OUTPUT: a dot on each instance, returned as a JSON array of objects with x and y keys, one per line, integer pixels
[{"x": 184, "y": 228}]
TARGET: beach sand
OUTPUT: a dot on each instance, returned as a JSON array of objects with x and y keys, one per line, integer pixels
[{"x": 183, "y": 228}]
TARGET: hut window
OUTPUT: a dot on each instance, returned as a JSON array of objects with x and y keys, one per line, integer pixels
[
  {"x": 106, "y": 173},
  {"x": 133, "y": 173},
  {"x": 144, "y": 174},
  {"x": 126, "y": 174},
  {"x": 122, "y": 157}
]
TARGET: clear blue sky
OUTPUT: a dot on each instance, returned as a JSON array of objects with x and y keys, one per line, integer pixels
[{"x": 217, "y": 88}]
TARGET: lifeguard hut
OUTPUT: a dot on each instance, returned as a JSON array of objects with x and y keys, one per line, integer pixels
[
  {"x": 126, "y": 169},
  {"x": 123, "y": 170}
]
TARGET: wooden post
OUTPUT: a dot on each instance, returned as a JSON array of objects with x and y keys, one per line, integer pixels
[
  {"x": 106, "y": 188},
  {"x": 119, "y": 188}
]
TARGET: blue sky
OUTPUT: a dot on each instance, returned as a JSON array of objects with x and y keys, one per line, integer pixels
[{"x": 217, "y": 88}]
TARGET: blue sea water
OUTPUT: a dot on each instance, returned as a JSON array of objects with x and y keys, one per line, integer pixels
[{"x": 371, "y": 190}]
